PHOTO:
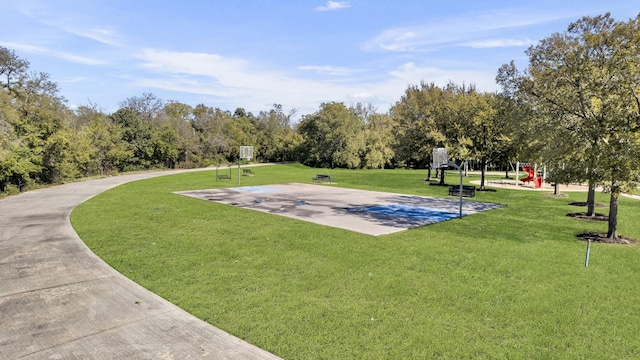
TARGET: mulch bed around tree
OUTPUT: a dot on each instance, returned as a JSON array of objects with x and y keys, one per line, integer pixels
[
  {"x": 602, "y": 238},
  {"x": 584, "y": 203},
  {"x": 595, "y": 217}
]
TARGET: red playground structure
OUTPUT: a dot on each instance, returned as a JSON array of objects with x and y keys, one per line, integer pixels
[
  {"x": 527, "y": 168},
  {"x": 537, "y": 181}
]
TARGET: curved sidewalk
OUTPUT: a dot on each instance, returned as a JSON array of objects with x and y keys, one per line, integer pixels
[{"x": 58, "y": 300}]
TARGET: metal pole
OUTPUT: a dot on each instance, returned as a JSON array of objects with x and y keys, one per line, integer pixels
[
  {"x": 460, "y": 170},
  {"x": 238, "y": 170},
  {"x": 586, "y": 261}
]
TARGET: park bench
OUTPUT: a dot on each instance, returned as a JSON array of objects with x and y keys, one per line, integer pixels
[
  {"x": 322, "y": 178},
  {"x": 467, "y": 190},
  {"x": 247, "y": 172}
]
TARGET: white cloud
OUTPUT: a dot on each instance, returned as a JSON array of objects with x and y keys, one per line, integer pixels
[
  {"x": 410, "y": 73},
  {"x": 327, "y": 70},
  {"x": 231, "y": 79},
  {"x": 192, "y": 63},
  {"x": 72, "y": 22},
  {"x": 333, "y": 5},
  {"x": 78, "y": 79},
  {"x": 239, "y": 83},
  {"x": 451, "y": 31},
  {"x": 39, "y": 50},
  {"x": 494, "y": 43},
  {"x": 404, "y": 39},
  {"x": 103, "y": 35},
  {"x": 362, "y": 96}
]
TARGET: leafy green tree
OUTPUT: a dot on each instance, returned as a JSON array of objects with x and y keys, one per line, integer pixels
[
  {"x": 378, "y": 135},
  {"x": 209, "y": 124},
  {"x": 241, "y": 130},
  {"x": 138, "y": 136},
  {"x": 17, "y": 160},
  {"x": 179, "y": 117},
  {"x": 277, "y": 139},
  {"x": 166, "y": 146},
  {"x": 146, "y": 107},
  {"x": 111, "y": 152},
  {"x": 67, "y": 155},
  {"x": 584, "y": 85},
  {"x": 43, "y": 114},
  {"x": 488, "y": 130},
  {"x": 378, "y": 141},
  {"x": 414, "y": 116},
  {"x": 333, "y": 137},
  {"x": 13, "y": 69},
  {"x": 429, "y": 116}
]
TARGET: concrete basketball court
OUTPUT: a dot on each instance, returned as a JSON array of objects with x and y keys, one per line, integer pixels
[{"x": 368, "y": 212}]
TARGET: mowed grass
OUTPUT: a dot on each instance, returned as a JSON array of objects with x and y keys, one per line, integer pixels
[{"x": 508, "y": 283}]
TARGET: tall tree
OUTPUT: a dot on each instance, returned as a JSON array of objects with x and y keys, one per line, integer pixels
[
  {"x": 333, "y": 137},
  {"x": 585, "y": 86},
  {"x": 378, "y": 136},
  {"x": 111, "y": 152},
  {"x": 18, "y": 162},
  {"x": 241, "y": 130},
  {"x": 146, "y": 107},
  {"x": 138, "y": 136},
  {"x": 277, "y": 138},
  {"x": 179, "y": 116},
  {"x": 429, "y": 116},
  {"x": 415, "y": 117},
  {"x": 209, "y": 123},
  {"x": 13, "y": 69}
]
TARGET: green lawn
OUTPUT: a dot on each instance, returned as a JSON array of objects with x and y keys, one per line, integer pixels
[{"x": 507, "y": 283}]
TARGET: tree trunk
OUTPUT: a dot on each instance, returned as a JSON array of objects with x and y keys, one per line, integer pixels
[
  {"x": 483, "y": 166},
  {"x": 442, "y": 177},
  {"x": 506, "y": 173},
  {"x": 612, "y": 232},
  {"x": 429, "y": 174},
  {"x": 556, "y": 189},
  {"x": 591, "y": 199}
]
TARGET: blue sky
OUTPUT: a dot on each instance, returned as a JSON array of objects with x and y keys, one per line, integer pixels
[{"x": 254, "y": 53}]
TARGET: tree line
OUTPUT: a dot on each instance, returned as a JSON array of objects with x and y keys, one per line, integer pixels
[{"x": 575, "y": 108}]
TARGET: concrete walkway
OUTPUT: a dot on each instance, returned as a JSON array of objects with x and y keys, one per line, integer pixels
[{"x": 60, "y": 301}]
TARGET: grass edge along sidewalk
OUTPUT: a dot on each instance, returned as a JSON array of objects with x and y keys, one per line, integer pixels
[{"x": 506, "y": 283}]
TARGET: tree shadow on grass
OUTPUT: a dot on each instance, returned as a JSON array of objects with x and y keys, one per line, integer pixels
[
  {"x": 584, "y": 203},
  {"x": 595, "y": 217},
  {"x": 602, "y": 238}
]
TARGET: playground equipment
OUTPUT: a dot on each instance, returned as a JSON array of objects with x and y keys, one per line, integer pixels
[
  {"x": 531, "y": 176},
  {"x": 221, "y": 176}
]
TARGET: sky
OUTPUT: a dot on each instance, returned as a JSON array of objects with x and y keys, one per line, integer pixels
[{"x": 252, "y": 54}]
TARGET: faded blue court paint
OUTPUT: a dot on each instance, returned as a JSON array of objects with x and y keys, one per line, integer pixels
[
  {"x": 257, "y": 189},
  {"x": 412, "y": 212}
]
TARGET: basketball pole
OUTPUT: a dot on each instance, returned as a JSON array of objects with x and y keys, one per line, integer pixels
[
  {"x": 440, "y": 159},
  {"x": 460, "y": 170}
]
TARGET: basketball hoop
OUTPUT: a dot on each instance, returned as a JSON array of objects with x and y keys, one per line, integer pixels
[
  {"x": 440, "y": 158},
  {"x": 246, "y": 152}
]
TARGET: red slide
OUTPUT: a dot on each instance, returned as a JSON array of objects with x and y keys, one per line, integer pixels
[{"x": 527, "y": 168}]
